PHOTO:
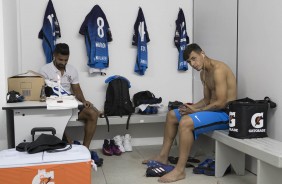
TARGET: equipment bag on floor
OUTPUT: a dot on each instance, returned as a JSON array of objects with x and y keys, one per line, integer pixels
[{"x": 248, "y": 117}]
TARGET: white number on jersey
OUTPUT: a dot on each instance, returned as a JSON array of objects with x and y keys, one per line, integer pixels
[
  {"x": 141, "y": 30},
  {"x": 100, "y": 24}
]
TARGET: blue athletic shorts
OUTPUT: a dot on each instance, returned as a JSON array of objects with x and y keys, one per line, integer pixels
[{"x": 206, "y": 121}]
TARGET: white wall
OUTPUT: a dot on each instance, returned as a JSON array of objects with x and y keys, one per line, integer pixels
[
  {"x": 9, "y": 56},
  {"x": 3, "y": 134},
  {"x": 23, "y": 50},
  {"x": 162, "y": 77},
  {"x": 259, "y": 56},
  {"x": 215, "y": 30}
]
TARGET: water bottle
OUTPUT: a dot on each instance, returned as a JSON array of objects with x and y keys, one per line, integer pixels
[{"x": 42, "y": 94}]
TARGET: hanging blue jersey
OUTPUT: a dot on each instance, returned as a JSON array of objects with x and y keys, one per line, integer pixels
[
  {"x": 181, "y": 40},
  {"x": 49, "y": 32},
  {"x": 97, "y": 33},
  {"x": 140, "y": 39}
]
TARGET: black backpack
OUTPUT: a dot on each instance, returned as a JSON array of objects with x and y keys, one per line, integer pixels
[
  {"x": 118, "y": 99},
  {"x": 145, "y": 97}
]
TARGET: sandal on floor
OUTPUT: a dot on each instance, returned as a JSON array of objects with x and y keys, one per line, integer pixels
[
  {"x": 189, "y": 165},
  {"x": 158, "y": 171},
  {"x": 193, "y": 160},
  {"x": 200, "y": 169},
  {"x": 173, "y": 160},
  {"x": 210, "y": 171}
]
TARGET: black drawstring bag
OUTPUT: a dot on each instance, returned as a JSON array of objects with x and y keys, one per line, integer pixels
[
  {"x": 248, "y": 117},
  {"x": 45, "y": 142},
  {"x": 14, "y": 97}
]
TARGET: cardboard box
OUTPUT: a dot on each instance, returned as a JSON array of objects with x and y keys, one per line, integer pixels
[
  {"x": 28, "y": 84},
  {"x": 66, "y": 167}
]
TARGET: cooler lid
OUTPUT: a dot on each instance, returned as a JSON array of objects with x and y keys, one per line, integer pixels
[
  {"x": 12, "y": 158},
  {"x": 78, "y": 153}
]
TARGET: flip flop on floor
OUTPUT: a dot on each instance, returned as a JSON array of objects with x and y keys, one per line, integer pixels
[
  {"x": 210, "y": 171},
  {"x": 189, "y": 165},
  {"x": 193, "y": 160},
  {"x": 158, "y": 171},
  {"x": 174, "y": 160}
]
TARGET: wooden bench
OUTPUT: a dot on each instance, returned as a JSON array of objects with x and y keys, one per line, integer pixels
[{"x": 229, "y": 150}]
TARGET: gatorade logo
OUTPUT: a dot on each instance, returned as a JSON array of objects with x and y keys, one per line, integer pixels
[
  {"x": 232, "y": 120},
  {"x": 257, "y": 120},
  {"x": 44, "y": 177}
]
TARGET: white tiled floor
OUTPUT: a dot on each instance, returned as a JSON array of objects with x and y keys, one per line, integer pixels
[{"x": 127, "y": 169}]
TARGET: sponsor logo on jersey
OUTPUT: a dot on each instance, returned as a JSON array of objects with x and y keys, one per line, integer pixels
[
  {"x": 101, "y": 45},
  {"x": 101, "y": 58}
]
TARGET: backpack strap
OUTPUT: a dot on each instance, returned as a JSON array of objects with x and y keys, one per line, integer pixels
[
  {"x": 107, "y": 120},
  {"x": 127, "y": 123}
]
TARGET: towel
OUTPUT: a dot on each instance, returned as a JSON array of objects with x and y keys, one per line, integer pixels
[{"x": 68, "y": 102}]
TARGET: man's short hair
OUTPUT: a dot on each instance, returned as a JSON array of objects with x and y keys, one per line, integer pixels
[
  {"x": 62, "y": 48},
  {"x": 190, "y": 48}
]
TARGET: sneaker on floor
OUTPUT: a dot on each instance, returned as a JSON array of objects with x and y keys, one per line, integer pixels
[
  {"x": 127, "y": 142},
  {"x": 118, "y": 141},
  {"x": 115, "y": 149},
  {"x": 107, "y": 149}
]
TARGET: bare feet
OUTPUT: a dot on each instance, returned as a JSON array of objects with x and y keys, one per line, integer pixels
[
  {"x": 172, "y": 176},
  {"x": 158, "y": 158}
]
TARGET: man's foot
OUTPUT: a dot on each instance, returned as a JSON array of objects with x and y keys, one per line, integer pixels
[
  {"x": 172, "y": 176},
  {"x": 158, "y": 158}
]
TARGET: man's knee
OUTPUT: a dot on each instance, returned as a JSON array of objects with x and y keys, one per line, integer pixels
[
  {"x": 90, "y": 113},
  {"x": 171, "y": 114},
  {"x": 185, "y": 123}
]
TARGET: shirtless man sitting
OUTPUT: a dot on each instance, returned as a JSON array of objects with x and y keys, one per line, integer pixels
[{"x": 219, "y": 84}]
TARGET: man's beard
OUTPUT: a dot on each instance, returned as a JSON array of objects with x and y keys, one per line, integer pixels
[{"x": 61, "y": 66}]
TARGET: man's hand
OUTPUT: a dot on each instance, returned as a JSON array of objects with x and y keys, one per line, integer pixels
[
  {"x": 190, "y": 109},
  {"x": 87, "y": 104},
  {"x": 186, "y": 109}
]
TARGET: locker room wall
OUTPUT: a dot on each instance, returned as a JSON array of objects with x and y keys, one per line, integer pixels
[
  {"x": 3, "y": 133},
  {"x": 259, "y": 56},
  {"x": 162, "y": 77},
  {"x": 215, "y": 30}
]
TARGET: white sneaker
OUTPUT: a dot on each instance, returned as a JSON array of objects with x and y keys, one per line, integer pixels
[
  {"x": 127, "y": 142},
  {"x": 119, "y": 142}
]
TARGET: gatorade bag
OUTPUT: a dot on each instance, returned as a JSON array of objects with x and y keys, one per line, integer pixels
[{"x": 248, "y": 118}]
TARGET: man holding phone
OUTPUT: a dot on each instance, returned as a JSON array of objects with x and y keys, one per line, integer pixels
[{"x": 219, "y": 84}]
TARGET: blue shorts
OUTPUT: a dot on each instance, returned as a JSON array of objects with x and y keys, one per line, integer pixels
[{"x": 206, "y": 121}]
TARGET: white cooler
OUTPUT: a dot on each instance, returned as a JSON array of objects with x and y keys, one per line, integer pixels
[{"x": 67, "y": 167}]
